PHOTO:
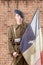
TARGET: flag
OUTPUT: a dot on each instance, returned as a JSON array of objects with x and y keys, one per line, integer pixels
[{"x": 31, "y": 43}]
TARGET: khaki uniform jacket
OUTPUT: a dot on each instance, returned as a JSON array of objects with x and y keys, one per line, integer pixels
[{"x": 15, "y": 32}]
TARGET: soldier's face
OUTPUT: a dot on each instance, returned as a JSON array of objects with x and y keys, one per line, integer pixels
[{"x": 18, "y": 18}]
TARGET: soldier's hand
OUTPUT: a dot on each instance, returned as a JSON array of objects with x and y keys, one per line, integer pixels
[{"x": 15, "y": 54}]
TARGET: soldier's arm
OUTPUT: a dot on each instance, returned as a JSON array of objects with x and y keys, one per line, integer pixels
[
  {"x": 26, "y": 25},
  {"x": 10, "y": 38}
]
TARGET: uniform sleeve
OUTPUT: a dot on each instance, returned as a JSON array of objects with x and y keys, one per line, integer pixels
[
  {"x": 25, "y": 26},
  {"x": 10, "y": 38}
]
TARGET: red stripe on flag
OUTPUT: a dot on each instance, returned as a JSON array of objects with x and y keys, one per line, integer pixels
[
  {"x": 38, "y": 62},
  {"x": 42, "y": 58}
]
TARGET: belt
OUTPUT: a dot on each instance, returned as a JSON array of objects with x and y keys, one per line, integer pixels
[{"x": 17, "y": 41}]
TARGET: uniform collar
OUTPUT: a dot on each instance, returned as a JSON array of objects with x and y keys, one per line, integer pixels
[{"x": 17, "y": 26}]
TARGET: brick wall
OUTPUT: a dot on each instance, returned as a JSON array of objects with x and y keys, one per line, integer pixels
[{"x": 7, "y": 19}]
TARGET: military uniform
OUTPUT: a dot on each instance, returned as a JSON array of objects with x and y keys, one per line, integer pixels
[{"x": 16, "y": 32}]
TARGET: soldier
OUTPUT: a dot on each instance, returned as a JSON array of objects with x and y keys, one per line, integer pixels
[{"x": 15, "y": 34}]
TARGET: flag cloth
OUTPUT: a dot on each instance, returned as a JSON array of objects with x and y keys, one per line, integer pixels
[{"x": 31, "y": 43}]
